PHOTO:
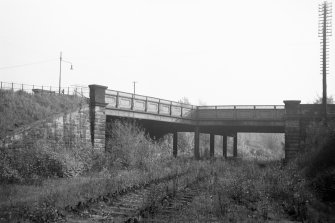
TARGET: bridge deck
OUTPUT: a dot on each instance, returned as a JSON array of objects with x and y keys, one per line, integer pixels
[{"x": 123, "y": 104}]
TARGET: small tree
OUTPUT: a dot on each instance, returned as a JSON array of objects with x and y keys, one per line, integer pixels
[{"x": 318, "y": 100}]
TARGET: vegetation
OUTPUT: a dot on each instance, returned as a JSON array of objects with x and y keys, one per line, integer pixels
[
  {"x": 41, "y": 180},
  {"x": 18, "y": 108},
  {"x": 37, "y": 185}
]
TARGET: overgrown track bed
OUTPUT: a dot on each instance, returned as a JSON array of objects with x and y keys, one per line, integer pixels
[
  {"x": 134, "y": 203},
  {"x": 170, "y": 208}
]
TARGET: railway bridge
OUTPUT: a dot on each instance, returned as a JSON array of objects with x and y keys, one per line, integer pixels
[{"x": 160, "y": 117}]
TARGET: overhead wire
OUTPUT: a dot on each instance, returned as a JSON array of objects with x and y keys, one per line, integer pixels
[{"x": 27, "y": 64}]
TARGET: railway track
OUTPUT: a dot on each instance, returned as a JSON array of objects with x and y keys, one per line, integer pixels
[
  {"x": 173, "y": 208},
  {"x": 151, "y": 203}
]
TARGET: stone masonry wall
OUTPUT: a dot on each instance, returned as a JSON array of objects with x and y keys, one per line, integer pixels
[{"x": 68, "y": 128}]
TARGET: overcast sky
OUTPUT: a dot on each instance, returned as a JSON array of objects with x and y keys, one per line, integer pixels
[{"x": 210, "y": 51}]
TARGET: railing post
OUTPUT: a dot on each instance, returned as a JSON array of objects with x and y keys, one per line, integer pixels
[
  {"x": 170, "y": 108},
  {"x": 12, "y": 86},
  {"x": 117, "y": 100},
  {"x": 146, "y": 104},
  {"x": 254, "y": 111},
  {"x": 159, "y": 103},
  {"x": 22, "y": 87},
  {"x": 235, "y": 112},
  {"x": 1, "y": 84}
]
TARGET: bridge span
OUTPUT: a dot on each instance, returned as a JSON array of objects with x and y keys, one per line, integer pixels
[{"x": 160, "y": 117}]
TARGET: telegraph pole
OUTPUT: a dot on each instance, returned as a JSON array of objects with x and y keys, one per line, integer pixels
[{"x": 325, "y": 31}]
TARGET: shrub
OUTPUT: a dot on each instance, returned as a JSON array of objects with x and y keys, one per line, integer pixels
[
  {"x": 129, "y": 147},
  {"x": 318, "y": 160},
  {"x": 42, "y": 159}
]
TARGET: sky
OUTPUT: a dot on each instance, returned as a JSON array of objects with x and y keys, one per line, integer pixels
[{"x": 212, "y": 52}]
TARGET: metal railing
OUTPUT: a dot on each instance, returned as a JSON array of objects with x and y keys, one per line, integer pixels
[
  {"x": 71, "y": 90},
  {"x": 140, "y": 103},
  {"x": 217, "y": 107},
  {"x": 145, "y": 104}
]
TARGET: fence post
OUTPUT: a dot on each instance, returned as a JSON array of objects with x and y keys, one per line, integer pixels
[
  {"x": 22, "y": 86},
  {"x": 12, "y": 86},
  {"x": 1, "y": 84},
  {"x": 68, "y": 90}
]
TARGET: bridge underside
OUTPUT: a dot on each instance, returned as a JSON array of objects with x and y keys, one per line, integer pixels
[{"x": 158, "y": 126}]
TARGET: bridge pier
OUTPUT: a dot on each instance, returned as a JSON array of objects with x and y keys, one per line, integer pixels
[
  {"x": 211, "y": 145},
  {"x": 196, "y": 143},
  {"x": 235, "y": 145},
  {"x": 224, "y": 146},
  {"x": 175, "y": 144},
  {"x": 98, "y": 116}
]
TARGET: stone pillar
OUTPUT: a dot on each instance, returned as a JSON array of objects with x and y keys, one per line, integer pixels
[
  {"x": 224, "y": 146},
  {"x": 175, "y": 144},
  {"x": 235, "y": 145},
  {"x": 196, "y": 143},
  {"x": 211, "y": 145},
  {"x": 98, "y": 116},
  {"x": 292, "y": 128}
]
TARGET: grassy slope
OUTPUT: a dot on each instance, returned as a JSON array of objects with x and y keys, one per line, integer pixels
[{"x": 20, "y": 108}]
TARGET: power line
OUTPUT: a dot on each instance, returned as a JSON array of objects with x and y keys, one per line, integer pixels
[{"x": 27, "y": 64}]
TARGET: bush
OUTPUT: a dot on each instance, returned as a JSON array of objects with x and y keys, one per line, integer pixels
[
  {"x": 129, "y": 147},
  {"x": 318, "y": 161},
  {"x": 22, "y": 165},
  {"x": 42, "y": 159}
]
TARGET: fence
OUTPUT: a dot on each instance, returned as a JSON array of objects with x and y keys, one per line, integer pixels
[{"x": 70, "y": 90}]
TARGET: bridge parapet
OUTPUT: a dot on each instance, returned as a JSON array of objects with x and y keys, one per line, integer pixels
[
  {"x": 315, "y": 110},
  {"x": 241, "y": 112},
  {"x": 145, "y": 104}
]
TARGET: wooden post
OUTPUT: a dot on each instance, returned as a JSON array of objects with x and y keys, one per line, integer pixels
[
  {"x": 175, "y": 144},
  {"x": 211, "y": 145}
]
